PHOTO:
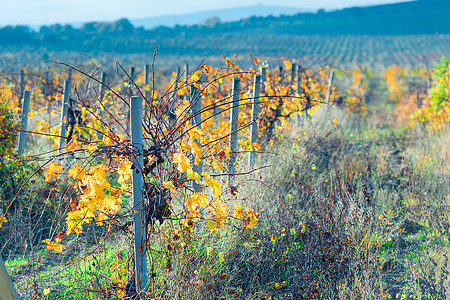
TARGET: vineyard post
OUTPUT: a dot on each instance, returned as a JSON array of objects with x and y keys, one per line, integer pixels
[
  {"x": 254, "y": 125},
  {"x": 418, "y": 100},
  {"x": 22, "y": 82},
  {"x": 47, "y": 84},
  {"x": 140, "y": 258},
  {"x": 186, "y": 72},
  {"x": 130, "y": 93},
  {"x": 175, "y": 90},
  {"x": 234, "y": 117},
  {"x": 69, "y": 77},
  {"x": 186, "y": 78},
  {"x": 8, "y": 291},
  {"x": 25, "y": 110},
  {"x": 146, "y": 76},
  {"x": 217, "y": 110},
  {"x": 196, "y": 107},
  {"x": 330, "y": 86},
  {"x": 102, "y": 104},
  {"x": 293, "y": 69},
  {"x": 299, "y": 89},
  {"x": 64, "y": 107},
  {"x": 280, "y": 73}
]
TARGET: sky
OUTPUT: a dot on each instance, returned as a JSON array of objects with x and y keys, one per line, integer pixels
[{"x": 38, "y": 12}]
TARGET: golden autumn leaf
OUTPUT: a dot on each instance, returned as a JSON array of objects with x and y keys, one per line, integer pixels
[
  {"x": 193, "y": 175},
  {"x": 196, "y": 200},
  {"x": 217, "y": 165},
  {"x": 221, "y": 257},
  {"x": 197, "y": 150},
  {"x": 220, "y": 212},
  {"x": 54, "y": 246},
  {"x": 238, "y": 212},
  {"x": 108, "y": 139},
  {"x": 214, "y": 184},
  {"x": 2, "y": 220},
  {"x": 46, "y": 292},
  {"x": 74, "y": 143},
  {"x": 77, "y": 172},
  {"x": 53, "y": 169},
  {"x": 195, "y": 77},
  {"x": 251, "y": 219},
  {"x": 182, "y": 161},
  {"x": 92, "y": 147},
  {"x": 206, "y": 68},
  {"x": 124, "y": 170},
  {"x": 211, "y": 225},
  {"x": 280, "y": 285},
  {"x": 168, "y": 184}
]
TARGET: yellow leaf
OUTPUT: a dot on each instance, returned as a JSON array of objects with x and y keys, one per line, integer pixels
[
  {"x": 335, "y": 122},
  {"x": 221, "y": 257},
  {"x": 195, "y": 77},
  {"x": 214, "y": 184},
  {"x": 2, "y": 220},
  {"x": 169, "y": 185},
  {"x": 196, "y": 200},
  {"x": 238, "y": 213},
  {"x": 211, "y": 225},
  {"x": 182, "y": 161},
  {"x": 288, "y": 65},
  {"x": 220, "y": 212},
  {"x": 192, "y": 175},
  {"x": 217, "y": 165},
  {"x": 208, "y": 251},
  {"x": 124, "y": 170},
  {"x": 53, "y": 169},
  {"x": 92, "y": 147},
  {"x": 197, "y": 150},
  {"x": 77, "y": 172},
  {"x": 206, "y": 68},
  {"x": 46, "y": 292},
  {"x": 108, "y": 140},
  {"x": 251, "y": 219},
  {"x": 280, "y": 285},
  {"x": 72, "y": 145}
]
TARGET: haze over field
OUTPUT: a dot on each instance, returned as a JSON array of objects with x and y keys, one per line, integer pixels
[{"x": 30, "y": 12}]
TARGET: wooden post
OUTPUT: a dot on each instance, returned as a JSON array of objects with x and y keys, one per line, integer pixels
[
  {"x": 140, "y": 243},
  {"x": 234, "y": 124},
  {"x": 22, "y": 82},
  {"x": 217, "y": 110},
  {"x": 196, "y": 107},
  {"x": 293, "y": 70},
  {"x": 7, "y": 289},
  {"x": 330, "y": 86},
  {"x": 175, "y": 91},
  {"x": 146, "y": 76},
  {"x": 280, "y": 73},
  {"x": 101, "y": 102},
  {"x": 25, "y": 110},
  {"x": 254, "y": 126},
  {"x": 64, "y": 107},
  {"x": 299, "y": 80},
  {"x": 47, "y": 84},
  {"x": 186, "y": 72},
  {"x": 299, "y": 89}
]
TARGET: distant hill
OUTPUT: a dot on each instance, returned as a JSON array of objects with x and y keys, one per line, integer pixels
[
  {"x": 224, "y": 15},
  {"x": 409, "y": 32}
]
